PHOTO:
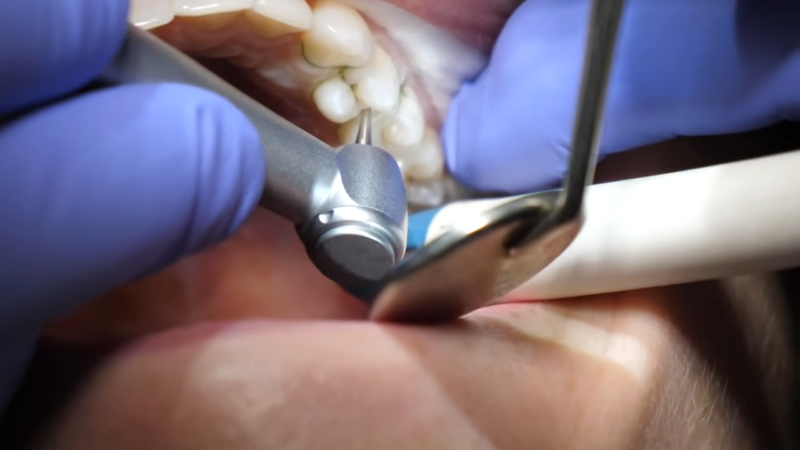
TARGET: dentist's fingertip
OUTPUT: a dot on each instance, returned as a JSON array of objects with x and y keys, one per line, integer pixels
[{"x": 231, "y": 166}]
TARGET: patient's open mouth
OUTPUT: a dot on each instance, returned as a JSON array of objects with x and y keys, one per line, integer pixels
[{"x": 318, "y": 63}]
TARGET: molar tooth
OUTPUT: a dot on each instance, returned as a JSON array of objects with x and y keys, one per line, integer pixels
[
  {"x": 335, "y": 100},
  {"x": 377, "y": 84},
  {"x": 338, "y": 36},
  {"x": 274, "y": 18},
  {"x": 428, "y": 162},
  {"x": 407, "y": 125},
  {"x": 149, "y": 14}
]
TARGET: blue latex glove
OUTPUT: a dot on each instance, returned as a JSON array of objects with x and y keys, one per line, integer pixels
[
  {"x": 683, "y": 68},
  {"x": 104, "y": 187}
]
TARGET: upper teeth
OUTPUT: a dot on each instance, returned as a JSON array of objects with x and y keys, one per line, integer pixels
[
  {"x": 441, "y": 61},
  {"x": 428, "y": 162},
  {"x": 338, "y": 37},
  {"x": 335, "y": 58},
  {"x": 407, "y": 125},
  {"x": 295, "y": 73},
  {"x": 377, "y": 84},
  {"x": 335, "y": 100},
  {"x": 204, "y": 7},
  {"x": 277, "y": 17}
]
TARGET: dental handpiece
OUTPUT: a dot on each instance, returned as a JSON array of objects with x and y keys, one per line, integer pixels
[{"x": 348, "y": 205}]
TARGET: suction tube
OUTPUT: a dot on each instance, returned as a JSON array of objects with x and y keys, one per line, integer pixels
[{"x": 701, "y": 224}]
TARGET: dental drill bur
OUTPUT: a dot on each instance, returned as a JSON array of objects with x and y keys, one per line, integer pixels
[
  {"x": 364, "y": 133},
  {"x": 348, "y": 205}
]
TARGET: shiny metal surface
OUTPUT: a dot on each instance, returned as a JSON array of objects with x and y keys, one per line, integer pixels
[
  {"x": 495, "y": 252},
  {"x": 598, "y": 60},
  {"x": 363, "y": 242},
  {"x": 307, "y": 181},
  {"x": 364, "y": 134},
  {"x": 354, "y": 251}
]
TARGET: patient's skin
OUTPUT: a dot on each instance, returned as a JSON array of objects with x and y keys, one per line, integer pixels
[{"x": 701, "y": 366}]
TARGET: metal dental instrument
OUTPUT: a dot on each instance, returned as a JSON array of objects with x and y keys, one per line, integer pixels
[
  {"x": 497, "y": 251},
  {"x": 349, "y": 205},
  {"x": 354, "y": 244},
  {"x": 364, "y": 133}
]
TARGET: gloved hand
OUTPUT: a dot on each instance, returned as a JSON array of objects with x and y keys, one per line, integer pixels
[
  {"x": 104, "y": 187},
  {"x": 683, "y": 68}
]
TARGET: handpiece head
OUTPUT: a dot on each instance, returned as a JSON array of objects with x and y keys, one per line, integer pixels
[
  {"x": 349, "y": 205},
  {"x": 363, "y": 236}
]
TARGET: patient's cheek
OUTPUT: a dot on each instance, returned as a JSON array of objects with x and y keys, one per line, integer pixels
[{"x": 261, "y": 271}]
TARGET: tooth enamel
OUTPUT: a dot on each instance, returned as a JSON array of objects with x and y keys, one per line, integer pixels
[
  {"x": 192, "y": 8},
  {"x": 149, "y": 14},
  {"x": 296, "y": 73},
  {"x": 338, "y": 36},
  {"x": 441, "y": 61},
  {"x": 377, "y": 84},
  {"x": 428, "y": 162},
  {"x": 278, "y": 17},
  {"x": 348, "y": 130},
  {"x": 335, "y": 100},
  {"x": 407, "y": 126}
]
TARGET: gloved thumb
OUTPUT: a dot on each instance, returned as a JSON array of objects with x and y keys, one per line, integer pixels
[
  {"x": 682, "y": 68},
  {"x": 113, "y": 185}
]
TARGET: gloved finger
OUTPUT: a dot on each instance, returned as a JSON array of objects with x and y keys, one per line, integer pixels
[
  {"x": 506, "y": 128},
  {"x": 682, "y": 68},
  {"x": 116, "y": 184},
  {"x": 51, "y": 47}
]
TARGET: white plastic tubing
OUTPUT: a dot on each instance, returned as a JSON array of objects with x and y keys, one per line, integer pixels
[{"x": 701, "y": 224}]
